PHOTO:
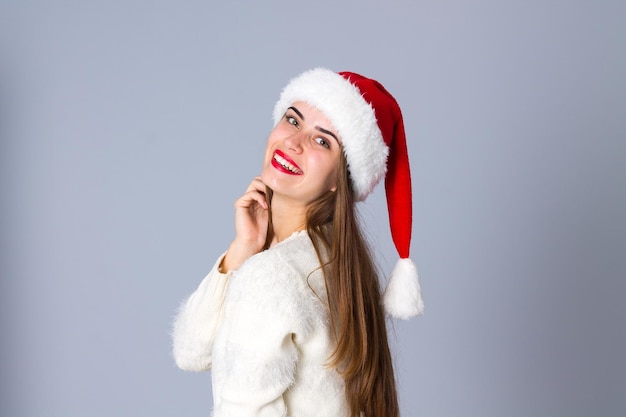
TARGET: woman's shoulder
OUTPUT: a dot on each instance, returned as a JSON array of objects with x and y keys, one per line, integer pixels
[
  {"x": 295, "y": 254},
  {"x": 289, "y": 265},
  {"x": 283, "y": 279}
]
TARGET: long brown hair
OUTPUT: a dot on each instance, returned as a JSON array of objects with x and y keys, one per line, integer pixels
[{"x": 362, "y": 353}]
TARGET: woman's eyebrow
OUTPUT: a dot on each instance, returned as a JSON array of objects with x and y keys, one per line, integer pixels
[
  {"x": 328, "y": 132},
  {"x": 297, "y": 112}
]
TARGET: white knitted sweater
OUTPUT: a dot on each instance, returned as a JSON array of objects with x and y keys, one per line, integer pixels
[{"x": 263, "y": 331}]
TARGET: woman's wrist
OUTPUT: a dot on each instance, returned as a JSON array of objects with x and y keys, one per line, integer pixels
[{"x": 236, "y": 254}]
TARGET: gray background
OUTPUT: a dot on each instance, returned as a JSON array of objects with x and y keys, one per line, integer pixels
[{"x": 129, "y": 128}]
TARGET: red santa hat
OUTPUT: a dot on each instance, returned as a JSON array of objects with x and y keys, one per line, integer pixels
[{"x": 369, "y": 122}]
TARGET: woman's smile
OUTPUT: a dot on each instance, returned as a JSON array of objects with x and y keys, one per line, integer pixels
[{"x": 283, "y": 163}]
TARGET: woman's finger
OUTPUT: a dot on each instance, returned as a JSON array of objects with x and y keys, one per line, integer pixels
[
  {"x": 257, "y": 185},
  {"x": 250, "y": 197},
  {"x": 256, "y": 191}
]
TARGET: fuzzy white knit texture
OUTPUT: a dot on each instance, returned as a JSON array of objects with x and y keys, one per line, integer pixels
[
  {"x": 403, "y": 295},
  {"x": 265, "y": 335},
  {"x": 352, "y": 117}
]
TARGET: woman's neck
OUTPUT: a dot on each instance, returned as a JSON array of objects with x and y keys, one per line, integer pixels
[{"x": 287, "y": 218}]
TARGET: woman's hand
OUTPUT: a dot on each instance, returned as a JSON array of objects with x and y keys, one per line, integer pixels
[{"x": 251, "y": 223}]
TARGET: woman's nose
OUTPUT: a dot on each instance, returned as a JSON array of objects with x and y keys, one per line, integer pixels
[{"x": 294, "y": 142}]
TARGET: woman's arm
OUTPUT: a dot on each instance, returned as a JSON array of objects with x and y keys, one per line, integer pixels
[
  {"x": 199, "y": 316},
  {"x": 256, "y": 356},
  {"x": 257, "y": 366},
  {"x": 197, "y": 321}
]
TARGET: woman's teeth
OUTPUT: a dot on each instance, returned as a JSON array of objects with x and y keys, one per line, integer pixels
[{"x": 283, "y": 162}]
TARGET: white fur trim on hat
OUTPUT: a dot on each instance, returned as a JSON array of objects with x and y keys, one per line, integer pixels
[{"x": 352, "y": 117}]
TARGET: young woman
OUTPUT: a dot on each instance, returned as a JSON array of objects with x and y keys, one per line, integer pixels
[{"x": 291, "y": 319}]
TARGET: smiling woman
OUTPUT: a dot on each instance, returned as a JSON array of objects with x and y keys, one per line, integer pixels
[
  {"x": 291, "y": 319},
  {"x": 303, "y": 146}
]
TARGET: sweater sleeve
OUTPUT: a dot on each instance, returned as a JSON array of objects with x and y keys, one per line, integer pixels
[
  {"x": 197, "y": 321},
  {"x": 259, "y": 356}
]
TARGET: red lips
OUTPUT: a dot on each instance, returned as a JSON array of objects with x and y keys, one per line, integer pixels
[{"x": 284, "y": 164}]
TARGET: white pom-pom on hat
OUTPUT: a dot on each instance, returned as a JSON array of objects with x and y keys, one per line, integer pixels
[
  {"x": 369, "y": 122},
  {"x": 403, "y": 295}
]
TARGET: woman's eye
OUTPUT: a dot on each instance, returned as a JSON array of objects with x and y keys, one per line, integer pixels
[
  {"x": 291, "y": 120},
  {"x": 323, "y": 142}
]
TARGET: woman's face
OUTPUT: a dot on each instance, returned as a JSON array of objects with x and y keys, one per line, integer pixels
[{"x": 302, "y": 155}]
